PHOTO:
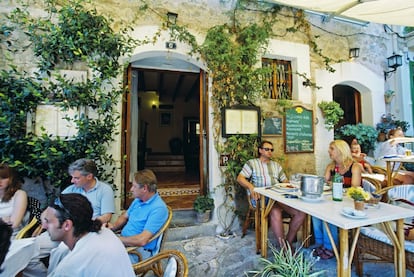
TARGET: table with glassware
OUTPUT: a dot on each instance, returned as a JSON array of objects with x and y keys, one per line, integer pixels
[
  {"x": 20, "y": 253},
  {"x": 333, "y": 212}
]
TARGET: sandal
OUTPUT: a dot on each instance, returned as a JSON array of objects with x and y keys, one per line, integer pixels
[
  {"x": 326, "y": 254},
  {"x": 317, "y": 252}
]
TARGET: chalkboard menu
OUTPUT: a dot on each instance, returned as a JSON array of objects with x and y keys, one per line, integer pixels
[{"x": 298, "y": 130}]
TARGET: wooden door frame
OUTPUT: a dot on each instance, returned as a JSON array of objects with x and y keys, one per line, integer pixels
[
  {"x": 126, "y": 138},
  {"x": 203, "y": 137}
]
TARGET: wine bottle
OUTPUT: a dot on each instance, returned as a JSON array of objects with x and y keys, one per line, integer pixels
[{"x": 337, "y": 185}]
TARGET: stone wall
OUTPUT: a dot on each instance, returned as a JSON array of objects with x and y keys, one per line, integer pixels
[{"x": 333, "y": 38}]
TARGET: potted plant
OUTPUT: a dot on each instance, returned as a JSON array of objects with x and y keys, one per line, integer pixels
[
  {"x": 332, "y": 112},
  {"x": 288, "y": 263},
  {"x": 388, "y": 95},
  {"x": 366, "y": 135},
  {"x": 203, "y": 205},
  {"x": 359, "y": 195}
]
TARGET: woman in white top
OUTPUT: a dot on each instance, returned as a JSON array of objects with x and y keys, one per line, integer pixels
[
  {"x": 13, "y": 200},
  {"x": 391, "y": 147}
]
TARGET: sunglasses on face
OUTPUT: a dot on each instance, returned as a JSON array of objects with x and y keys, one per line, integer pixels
[
  {"x": 267, "y": 149},
  {"x": 58, "y": 203}
]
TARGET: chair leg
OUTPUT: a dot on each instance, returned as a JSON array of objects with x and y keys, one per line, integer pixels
[
  {"x": 358, "y": 262},
  {"x": 246, "y": 223},
  {"x": 257, "y": 226}
]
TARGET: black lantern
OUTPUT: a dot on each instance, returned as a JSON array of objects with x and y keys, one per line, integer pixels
[
  {"x": 394, "y": 62},
  {"x": 353, "y": 53}
]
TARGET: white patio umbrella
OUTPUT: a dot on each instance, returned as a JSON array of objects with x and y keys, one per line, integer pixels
[{"x": 393, "y": 12}]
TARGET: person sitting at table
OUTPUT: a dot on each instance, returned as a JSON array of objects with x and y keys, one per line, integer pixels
[
  {"x": 94, "y": 251},
  {"x": 264, "y": 172},
  {"x": 343, "y": 163},
  {"x": 360, "y": 157},
  {"x": 144, "y": 217},
  {"x": 13, "y": 204},
  {"x": 391, "y": 147},
  {"x": 83, "y": 174},
  {"x": 5, "y": 240}
]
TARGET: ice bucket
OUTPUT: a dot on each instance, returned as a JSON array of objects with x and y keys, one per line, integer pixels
[{"x": 311, "y": 186}]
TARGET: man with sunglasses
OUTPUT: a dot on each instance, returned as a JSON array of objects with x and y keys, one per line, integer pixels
[
  {"x": 264, "y": 172},
  {"x": 94, "y": 251}
]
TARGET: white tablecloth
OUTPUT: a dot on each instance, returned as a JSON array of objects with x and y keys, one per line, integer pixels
[{"x": 21, "y": 251}]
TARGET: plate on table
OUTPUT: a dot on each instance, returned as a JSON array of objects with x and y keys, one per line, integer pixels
[
  {"x": 312, "y": 200},
  {"x": 326, "y": 187},
  {"x": 352, "y": 213},
  {"x": 286, "y": 187}
]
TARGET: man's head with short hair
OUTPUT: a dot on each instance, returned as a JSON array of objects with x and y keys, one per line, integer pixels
[
  {"x": 146, "y": 177},
  {"x": 84, "y": 166},
  {"x": 265, "y": 149},
  {"x": 83, "y": 172}
]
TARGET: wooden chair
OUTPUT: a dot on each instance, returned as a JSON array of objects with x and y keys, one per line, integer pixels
[
  {"x": 159, "y": 236},
  {"x": 380, "y": 251},
  {"x": 166, "y": 263},
  {"x": 379, "y": 169},
  {"x": 34, "y": 227},
  {"x": 253, "y": 214}
]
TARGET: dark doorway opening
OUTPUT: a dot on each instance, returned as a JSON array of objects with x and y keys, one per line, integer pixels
[{"x": 350, "y": 101}]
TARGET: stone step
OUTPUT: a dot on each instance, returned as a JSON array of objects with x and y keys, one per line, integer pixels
[
  {"x": 184, "y": 226},
  {"x": 166, "y": 168},
  {"x": 165, "y": 163},
  {"x": 161, "y": 157}
]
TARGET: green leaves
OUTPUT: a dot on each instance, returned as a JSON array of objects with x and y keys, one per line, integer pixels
[
  {"x": 231, "y": 54},
  {"x": 285, "y": 263},
  {"x": 332, "y": 112},
  {"x": 77, "y": 34},
  {"x": 365, "y": 134}
]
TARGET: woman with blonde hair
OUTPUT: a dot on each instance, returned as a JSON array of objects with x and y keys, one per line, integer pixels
[
  {"x": 342, "y": 163},
  {"x": 13, "y": 200}
]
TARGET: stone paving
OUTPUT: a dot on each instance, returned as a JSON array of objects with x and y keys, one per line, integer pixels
[{"x": 211, "y": 256}]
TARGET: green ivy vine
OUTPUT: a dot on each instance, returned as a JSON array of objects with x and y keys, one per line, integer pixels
[{"x": 71, "y": 33}]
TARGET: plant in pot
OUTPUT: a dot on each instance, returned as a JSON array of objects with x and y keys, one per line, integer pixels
[
  {"x": 288, "y": 263},
  {"x": 359, "y": 195},
  {"x": 203, "y": 205},
  {"x": 366, "y": 135},
  {"x": 332, "y": 112}
]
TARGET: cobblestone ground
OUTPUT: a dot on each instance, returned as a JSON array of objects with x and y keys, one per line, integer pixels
[{"x": 210, "y": 256}]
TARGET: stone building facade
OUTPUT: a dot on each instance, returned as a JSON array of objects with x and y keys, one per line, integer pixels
[{"x": 335, "y": 37}]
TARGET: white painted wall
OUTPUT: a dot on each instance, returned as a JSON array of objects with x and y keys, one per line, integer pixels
[{"x": 369, "y": 84}]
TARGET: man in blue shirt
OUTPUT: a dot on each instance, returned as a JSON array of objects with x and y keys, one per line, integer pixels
[
  {"x": 99, "y": 194},
  {"x": 146, "y": 215}
]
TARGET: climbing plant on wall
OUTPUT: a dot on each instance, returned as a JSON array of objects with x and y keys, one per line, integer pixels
[{"x": 69, "y": 34}]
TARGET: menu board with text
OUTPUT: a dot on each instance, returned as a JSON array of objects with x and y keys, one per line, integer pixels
[{"x": 298, "y": 130}]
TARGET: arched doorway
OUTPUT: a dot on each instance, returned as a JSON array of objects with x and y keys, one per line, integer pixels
[
  {"x": 350, "y": 101},
  {"x": 164, "y": 125}
]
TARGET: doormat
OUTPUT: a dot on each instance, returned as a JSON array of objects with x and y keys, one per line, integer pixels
[{"x": 178, "y": 191}]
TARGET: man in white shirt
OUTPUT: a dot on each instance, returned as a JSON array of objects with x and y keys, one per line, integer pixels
[
  {"x": 94, "y": 252},
  {"x": 100, "y": 195}
]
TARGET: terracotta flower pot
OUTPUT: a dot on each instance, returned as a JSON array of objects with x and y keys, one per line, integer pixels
[{"x": 359, "y": 205}]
